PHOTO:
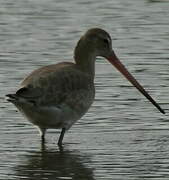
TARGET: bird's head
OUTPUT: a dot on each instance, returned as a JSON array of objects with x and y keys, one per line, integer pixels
[{"x": 98, "y": 42}]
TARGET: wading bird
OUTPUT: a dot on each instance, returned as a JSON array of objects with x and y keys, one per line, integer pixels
[{"x": 56, "y": 96}]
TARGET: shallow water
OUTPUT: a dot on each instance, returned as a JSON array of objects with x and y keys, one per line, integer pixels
[{"x": 122, "y": 137}]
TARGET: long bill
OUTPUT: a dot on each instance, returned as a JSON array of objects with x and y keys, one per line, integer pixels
[{"x": 120, "y": 67}]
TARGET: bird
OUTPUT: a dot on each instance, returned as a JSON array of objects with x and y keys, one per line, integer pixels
[{"x": 56, "y": 96}]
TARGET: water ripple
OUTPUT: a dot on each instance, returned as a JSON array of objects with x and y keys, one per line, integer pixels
[{"x": 122, "y": 136}]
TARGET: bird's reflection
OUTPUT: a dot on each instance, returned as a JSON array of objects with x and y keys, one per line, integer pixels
[{"x": 51, "y": 165}]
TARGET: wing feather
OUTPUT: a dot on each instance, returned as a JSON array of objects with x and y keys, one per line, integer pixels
[{"x": 58, "y": 84}]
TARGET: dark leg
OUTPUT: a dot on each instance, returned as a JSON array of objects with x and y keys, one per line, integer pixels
[
  {"x": 42, "y": 134},
  {"x": 43, "y": 138},
  {"x": 61, "y": 137}
]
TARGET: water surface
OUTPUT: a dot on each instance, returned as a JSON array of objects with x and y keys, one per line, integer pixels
[{"x": 122, "y": 137}]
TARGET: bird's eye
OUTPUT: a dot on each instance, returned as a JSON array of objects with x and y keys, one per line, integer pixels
[{"x": 106, "y": 41}]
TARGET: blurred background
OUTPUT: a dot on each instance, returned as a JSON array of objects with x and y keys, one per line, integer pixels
[{"x": 122, "y": 137}]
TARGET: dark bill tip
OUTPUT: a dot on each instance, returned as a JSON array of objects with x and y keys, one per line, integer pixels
[{"x": 120, "y": 67}]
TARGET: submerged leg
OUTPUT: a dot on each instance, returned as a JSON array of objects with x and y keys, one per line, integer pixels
[
  {"x": 42, "y": 132},
  {"x": 61, "y": 137}
]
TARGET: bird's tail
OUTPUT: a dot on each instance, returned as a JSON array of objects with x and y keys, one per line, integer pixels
[
  {"x": 18, "y": 100},
  {"x": 12, "y": 98}
]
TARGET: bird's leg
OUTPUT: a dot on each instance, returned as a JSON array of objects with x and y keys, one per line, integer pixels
[
  {"x": 61, "y": 137},
  {"x": 43, "y": 138},
  {"x": 42, "y": 132}
]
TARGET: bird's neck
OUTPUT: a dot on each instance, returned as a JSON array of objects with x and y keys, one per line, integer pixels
[{"x": 85, "y": 57}]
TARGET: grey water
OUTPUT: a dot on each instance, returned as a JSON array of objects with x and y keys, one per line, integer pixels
[{"x": 122, "y": 137}]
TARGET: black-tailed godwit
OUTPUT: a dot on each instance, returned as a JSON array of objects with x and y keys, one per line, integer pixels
[{"x": 56, "y": 96}]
